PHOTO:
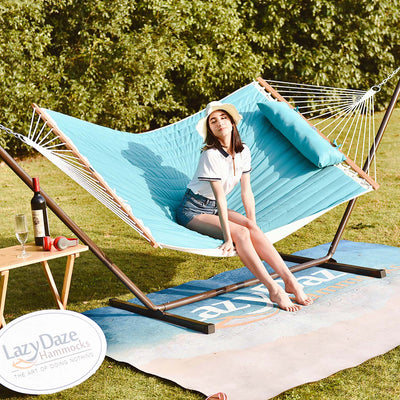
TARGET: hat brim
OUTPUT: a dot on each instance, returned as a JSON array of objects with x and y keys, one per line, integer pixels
[{"x": 201, "y": 126}]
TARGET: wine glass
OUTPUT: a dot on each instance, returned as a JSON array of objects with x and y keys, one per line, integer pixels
[{"x": 21, "y": 232}]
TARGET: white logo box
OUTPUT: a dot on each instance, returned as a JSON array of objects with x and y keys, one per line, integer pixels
[{"x": 48, "y": 351}]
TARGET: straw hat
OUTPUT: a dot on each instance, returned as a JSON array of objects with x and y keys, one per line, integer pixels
[{"x": 214, "y": 106}]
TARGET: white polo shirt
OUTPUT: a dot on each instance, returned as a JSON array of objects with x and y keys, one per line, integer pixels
[{"x": 218, "y": 165}]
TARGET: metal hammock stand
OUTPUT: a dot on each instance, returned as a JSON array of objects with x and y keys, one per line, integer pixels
[{"x": 161, "y": 311}]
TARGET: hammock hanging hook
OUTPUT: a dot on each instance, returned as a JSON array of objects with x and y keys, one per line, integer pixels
[{"x": 376, "y": 88}]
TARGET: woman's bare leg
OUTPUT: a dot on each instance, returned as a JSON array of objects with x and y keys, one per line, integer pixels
[
  {"x": 267, "y": 252},
  {"x": 210, "y": 225}
]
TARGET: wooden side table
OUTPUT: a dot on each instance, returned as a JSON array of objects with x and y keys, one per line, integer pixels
[{"x": 9, "y": 260}]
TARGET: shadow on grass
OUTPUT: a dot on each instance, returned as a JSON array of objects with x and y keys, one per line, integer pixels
[
  {"x": 91, "y": 280},
  {"x": 149, "y": 271},
  {"x": 6, "y": 393}
]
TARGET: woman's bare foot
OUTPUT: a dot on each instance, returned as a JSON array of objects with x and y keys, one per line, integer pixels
[
  {"x": 280, "y": 297},
  {"x": 299, "y": 295}
]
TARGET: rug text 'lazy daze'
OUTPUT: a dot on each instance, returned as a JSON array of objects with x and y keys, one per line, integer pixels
[{"x": 227, "y": 310}]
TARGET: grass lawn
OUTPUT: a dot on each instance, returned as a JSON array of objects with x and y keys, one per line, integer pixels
[{"x": 375, "y": 219}]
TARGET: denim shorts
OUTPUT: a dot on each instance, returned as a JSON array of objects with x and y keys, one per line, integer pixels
[{"x": 194, "y": 204}]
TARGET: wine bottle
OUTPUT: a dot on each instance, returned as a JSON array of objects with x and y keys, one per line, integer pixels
[{"x": 39, "y": 214}]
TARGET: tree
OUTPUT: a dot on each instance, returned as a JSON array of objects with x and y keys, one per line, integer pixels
[
  {"x": 138, "y": 65},
  {"x": 336, "y": 43}
]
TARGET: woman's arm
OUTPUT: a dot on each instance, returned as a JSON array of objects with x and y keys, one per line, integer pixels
[
  {"x": 248, "y": 197},
  {"x": 222, "y": 205}
]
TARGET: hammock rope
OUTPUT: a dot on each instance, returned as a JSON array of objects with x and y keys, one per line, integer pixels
[
  {"x": 342, "y": 115},
  {"x": 345, "y": 116},
  {"x": 76, "y": 167}
]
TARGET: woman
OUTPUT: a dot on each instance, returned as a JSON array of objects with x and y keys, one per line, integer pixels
[{"x": 225, "y": 161}]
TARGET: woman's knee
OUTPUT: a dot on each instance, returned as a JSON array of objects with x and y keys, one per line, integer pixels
[
  {"x": 252, "y": 227},
  {"x": 241, "y": 234}
]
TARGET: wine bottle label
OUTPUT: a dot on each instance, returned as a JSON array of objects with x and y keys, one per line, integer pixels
[{"x": 38, "y": 223}]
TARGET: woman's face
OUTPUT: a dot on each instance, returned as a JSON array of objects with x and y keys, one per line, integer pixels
[{"x": 220, "y": 125}]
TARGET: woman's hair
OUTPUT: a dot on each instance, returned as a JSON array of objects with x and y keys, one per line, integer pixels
[{"x": 213, "y": 142}]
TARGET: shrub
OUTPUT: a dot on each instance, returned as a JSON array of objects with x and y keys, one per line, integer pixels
[{"x": 139, "y": 65}]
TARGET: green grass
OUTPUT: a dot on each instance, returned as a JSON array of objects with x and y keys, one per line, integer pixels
[{"x": 375, "y": 219}]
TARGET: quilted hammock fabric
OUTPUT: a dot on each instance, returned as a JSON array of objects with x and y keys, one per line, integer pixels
[{"x": 150, "y": 171}]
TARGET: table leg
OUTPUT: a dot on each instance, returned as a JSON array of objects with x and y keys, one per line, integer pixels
[
  {"x": 3, "y": 292},
  {"x": 67, "y": 279},
  {"x": 52, "y": 284}
]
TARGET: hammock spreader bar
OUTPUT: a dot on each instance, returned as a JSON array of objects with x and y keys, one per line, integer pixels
[{"x": 160, "y": 311}]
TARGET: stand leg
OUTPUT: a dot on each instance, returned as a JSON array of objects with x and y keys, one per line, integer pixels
[
  {"x": 3, "y": 292},
  {"x": 67, "y": 279},
  {"x": 52, "y": 284},
  {"x": 332, "y": 264},
  {"x": 179, "y": 320}
]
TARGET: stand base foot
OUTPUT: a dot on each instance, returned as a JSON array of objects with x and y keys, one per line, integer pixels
[
  {"x": 332, "y": 264},
  {"x": 195, "y": 325}
]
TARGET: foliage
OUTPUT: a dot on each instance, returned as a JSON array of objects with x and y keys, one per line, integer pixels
[
  {"x": 139, "y": 65},
  {"x": 342, "y": 43},
  {"x": 24, "y": 62}
]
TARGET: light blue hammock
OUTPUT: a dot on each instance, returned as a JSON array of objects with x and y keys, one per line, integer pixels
[
  {"x": 298, "y": 174},
  {"x": 142, "y": 177}
]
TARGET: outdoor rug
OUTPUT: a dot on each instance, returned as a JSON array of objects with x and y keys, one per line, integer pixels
[{"x": 258, "y": 350}]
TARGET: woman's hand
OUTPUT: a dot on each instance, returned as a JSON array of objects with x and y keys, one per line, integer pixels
[{"x": 227, "y": 248}]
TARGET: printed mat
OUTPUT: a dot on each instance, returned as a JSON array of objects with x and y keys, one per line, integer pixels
[{"x": 258, "y": 350}]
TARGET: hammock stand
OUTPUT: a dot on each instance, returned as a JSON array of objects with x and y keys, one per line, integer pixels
[{"x": 161, "y": 311}]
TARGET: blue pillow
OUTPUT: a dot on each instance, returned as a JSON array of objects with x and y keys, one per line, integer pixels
[{"x": 303, "y": 137}]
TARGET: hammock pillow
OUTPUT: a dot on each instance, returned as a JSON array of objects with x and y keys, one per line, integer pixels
[{"x": 303, "y": 137}]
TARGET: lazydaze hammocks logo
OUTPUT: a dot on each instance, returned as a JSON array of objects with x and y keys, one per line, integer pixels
[
  {"x": 46, "y": 347},
  {"x": 49, "y": 351}
]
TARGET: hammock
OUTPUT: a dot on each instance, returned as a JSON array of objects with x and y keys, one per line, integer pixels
[
  {"x": 298, "y": 174},
  {"x": 142, "y": 178}
]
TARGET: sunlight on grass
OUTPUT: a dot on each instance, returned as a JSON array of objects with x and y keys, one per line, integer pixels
[{"x": 375, "y": 219}]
